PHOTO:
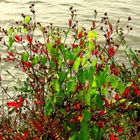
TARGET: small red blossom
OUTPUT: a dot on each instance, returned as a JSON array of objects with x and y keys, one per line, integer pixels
[
  {"x": 110, "y": 27},
  {"x": 16, "y": 104},
  {"x": 127, "y": 90},
  {"x": 58, "y": 41},
  {"x": 80, "y": 35},
  {"x": 29, "y": 39},
  {"x": 100, "y": 124},
  {"x": 18, "y": 39},
  {"x": 77, "y": 106},
  {"x": 9, "y": 59},
  {"x": 25, "y": 134},
  {"x": 74, "y": 46},
  {"x": 112, "y": 137},
  {"x": 11, "y": 54},
  {"x": 137, "y": 91},
  {"x": 95, "y": 52},
  {"x": 116, "y": 97},
  {"x": 101, "y": 113},
  {"x": 27, "y": 64},
  {"x": 111, "y": 52},
  {"x": 120, "y": 130},
  {"x": 81, "y": 43},
  {"x": 108, "y": 34},
  {"x": 114, "y": 70},
  {"x": 106, "y": 102}
]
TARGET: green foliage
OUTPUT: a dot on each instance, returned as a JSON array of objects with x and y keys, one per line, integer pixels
[{"x": 75, "y": 89}]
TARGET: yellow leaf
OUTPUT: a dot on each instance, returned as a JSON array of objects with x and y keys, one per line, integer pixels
[{"x": 91, "y": 35}]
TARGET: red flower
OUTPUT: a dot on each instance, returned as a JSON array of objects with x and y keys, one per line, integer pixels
[
  {"x": 16, "y": 104},
  {"x": 114, "y": 70},
  {"x": 18, "y": 39},
  {"x": 25, "y": 134},
  {"x": 110, "y": 27},
  {"x": 137, "y": 91},
  {"x": 74, "y": 45},
  {"x": 11, "y": 54},
  {"x": 101, "y": 113},
  {"x": 95, "y": 52},
  {"x": 29, "y": 39},
  {"x": 125, "y": 92},
  {"x": 80, "y": 43},
  {"x": 100, "y": 124},
  {"x": 108, "y": 34},
  {"x": 58, "y": 41},
  {"x": 120, "y": 130},
  {"x": 111, "y": 52},
  {"x": 80, "y": 35},
  {"x": 112, "y": 137},
  {"x": 116, "y": 97},
  {"x": 27, "y": 64}
]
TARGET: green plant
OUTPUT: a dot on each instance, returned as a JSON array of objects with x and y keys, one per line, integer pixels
[{"x": 74, "y": 89}]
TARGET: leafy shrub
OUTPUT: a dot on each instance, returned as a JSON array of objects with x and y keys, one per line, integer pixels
[{"x": 75, "y": 88}]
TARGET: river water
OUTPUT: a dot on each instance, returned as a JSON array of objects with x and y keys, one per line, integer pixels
[{"x": 57, "y": 12}]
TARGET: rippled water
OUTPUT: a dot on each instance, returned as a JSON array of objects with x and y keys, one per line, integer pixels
[{"x": 57, "y": 12}]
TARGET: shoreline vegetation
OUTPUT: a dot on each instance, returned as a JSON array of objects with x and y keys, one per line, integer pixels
[{"x": 74, "y": 88}]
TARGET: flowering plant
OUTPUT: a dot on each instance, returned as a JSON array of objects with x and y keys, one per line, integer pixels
[{"x": 75, "y": 88}]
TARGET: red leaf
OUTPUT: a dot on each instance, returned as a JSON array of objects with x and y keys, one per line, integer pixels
[
  {"x": 29, "y": 39},
  {"x": 18, "y": 39}
]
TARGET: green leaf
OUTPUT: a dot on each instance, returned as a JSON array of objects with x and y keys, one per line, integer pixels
[
  {"x": 87, "y": 115},
  {"x": 99, "y": 101},
  {"x": 113, "y": 81},
  {"x": 11, "y": 41},
  {"x": 73, "y": 137},
  {"x": 84, "y": 132},
  {"x": 25, "y": 57},
  {"x": 121, "y": 87},
  {"x": 97, "y": 133},
  {"x": 35, "y": 60},
  {"x": 82, "y": 75},
  {"x": 43, "y": 60},
  {"x": 76, "y": 64},
  {"x": 62, "y": 76},
  {"x": 71, "y": 85},
  {"x": 27, "y": 19},
  {"x": 56, "y": 85},
  {"x": 10, "y": 32}
]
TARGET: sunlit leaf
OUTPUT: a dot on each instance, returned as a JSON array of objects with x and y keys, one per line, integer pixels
[{"x": 27, "y": 19}]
